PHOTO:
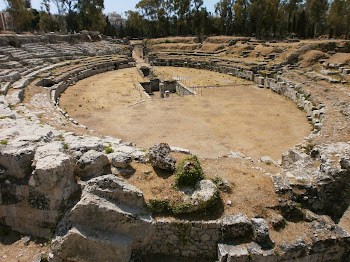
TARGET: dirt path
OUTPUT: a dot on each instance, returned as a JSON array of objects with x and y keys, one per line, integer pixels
[{"x": 254, "y": 121}]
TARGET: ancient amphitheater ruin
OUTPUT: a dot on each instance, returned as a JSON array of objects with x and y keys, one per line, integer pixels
[{"x": 268, "y": 120}]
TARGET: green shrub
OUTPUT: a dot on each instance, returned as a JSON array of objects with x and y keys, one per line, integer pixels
[
  {"x": 159, "y": 206},
  {"x": 221, "y": 184},
  {"x": 109, "y": 149},
  {"x": 189, "y": 172}
]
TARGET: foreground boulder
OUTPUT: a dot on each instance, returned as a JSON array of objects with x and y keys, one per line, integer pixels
[
  {"x": 108, "y": 222},
  {"x": 160, "y": 157},
  {"x": 119, "y": 160},
  {"x": 92, "y": 163}
]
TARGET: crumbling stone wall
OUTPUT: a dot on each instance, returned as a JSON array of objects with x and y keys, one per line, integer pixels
[
  {"x": 183, "y": 90},
  {"x": 185, "y": 238}
]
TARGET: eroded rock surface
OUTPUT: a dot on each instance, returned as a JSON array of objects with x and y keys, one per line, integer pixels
[{"x": 160, "y": 157}]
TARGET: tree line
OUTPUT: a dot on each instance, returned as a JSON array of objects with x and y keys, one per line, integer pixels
[
  {"x": 73, "y": 15},
  {"x": 160, "y": 18}
]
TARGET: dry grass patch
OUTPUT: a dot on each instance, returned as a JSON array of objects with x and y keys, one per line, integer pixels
[
  {"x": 291, "y": 232},
  {"x": 342, "y": 58},
  {"x": 312, "y": 57},
  {"x": 251, "y": 192},
  {"x": 173, "y": 47}
]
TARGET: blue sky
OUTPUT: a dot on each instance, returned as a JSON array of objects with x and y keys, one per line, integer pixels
[{"x": 119, "y": 6}]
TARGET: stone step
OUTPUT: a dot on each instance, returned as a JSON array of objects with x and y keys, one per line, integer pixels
[
  {"x": 4, "y": 72},
  {"x": 12, "y": 76},
  {"x": 22, "y": 83},
  {"x": 4, "y": 58},
  {"x": 33, "y": 69},
  {"x": 86, "y": 244}
]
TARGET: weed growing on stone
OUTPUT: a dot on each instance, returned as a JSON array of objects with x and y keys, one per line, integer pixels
[
  {"x": 308, "y": 148},
  {"x": 3, "y": 142},
  {"x": 221, "y": 184},
  {"x": 109, "y": 149},
  {"x": 60, "y": 137}
]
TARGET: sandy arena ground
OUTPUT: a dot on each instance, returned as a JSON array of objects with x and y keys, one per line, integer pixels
[{"x": 240, "y": 117}]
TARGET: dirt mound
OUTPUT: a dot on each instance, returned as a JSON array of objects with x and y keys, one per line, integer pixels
[
  {"x": 341, "y": 58},
  {"x": 270, "y": 50},
  {"x": 312, "y": 57}
]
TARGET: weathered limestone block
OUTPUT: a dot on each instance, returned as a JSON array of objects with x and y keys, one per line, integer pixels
[
  {"x": 233, "y": 253},
  {"x": 83, "y": 143},
  {"x": 92, "y": 163},
  {"x": 111, "y": 216},
  {"x": 238, "y": 254},
  {"x": 256, "y": 253},
  {"x": 237, "y": 227},
  {"x": 16, "y": 158},
  {"x": 139, "y": 156},
  {"x": 261, "y": 232},
  {"x": 291, "y": 251},
  {"x": 108, "y": 206},
  {"x": 205, "y": 193},
  {"x": 53, "y": 168},
  {"x": 117, "y": 189},
  {"x": 119, "y": 159},
  {"x": 160, "y": 157},
  {"x": 88, "y": 245},
  {"x": 223, "y": 250},
  {"x": 12, "y": 77},
  {"x": 292, "y": 156}
]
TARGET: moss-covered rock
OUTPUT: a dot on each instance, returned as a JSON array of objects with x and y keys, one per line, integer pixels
[{"x": 189, "y": 172}]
